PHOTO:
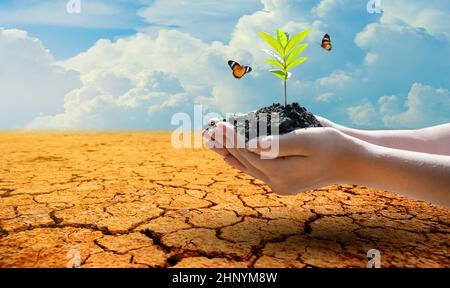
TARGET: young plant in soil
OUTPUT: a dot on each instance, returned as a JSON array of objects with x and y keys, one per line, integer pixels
[
  {"x": 291, "y": 116},
  {"x": 285, "y": 57}
]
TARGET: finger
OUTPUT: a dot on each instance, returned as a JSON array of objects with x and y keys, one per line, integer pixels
[
  {"x": 324, "y": 121},
  {"x": 328, "y": 123},
  {"x": 224, "y": 135},
  {"x": 212, "y": 144},
  {"x": 221, "y": 151},
  {"x": 216, "y": 133},
  {"x": 232, "y": 144},
  {"x": 235, "y": 163},
  {"x": 213, "y": 121},
  {"x": 299, "y": 143},
  {"x": 266, "y": 147},
  {"x": 216, "y": 147},
  {"x": 208, "y": 133},
  {"x": 227, "y": 135},
  {"x": 205, "y": 132},
  {"x": 265, "y": 166},
  {"x": 249, "y": 168}
]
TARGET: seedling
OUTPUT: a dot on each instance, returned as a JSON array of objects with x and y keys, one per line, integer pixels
[{"x": 285, "y": 56}]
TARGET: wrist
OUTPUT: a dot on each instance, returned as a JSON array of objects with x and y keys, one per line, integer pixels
[{"x": 357, "y": 161}]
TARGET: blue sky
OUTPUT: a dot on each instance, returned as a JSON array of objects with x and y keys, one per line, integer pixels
[
  {"x": 75, "y": 34},
  {"x": 133, "y": 64}
]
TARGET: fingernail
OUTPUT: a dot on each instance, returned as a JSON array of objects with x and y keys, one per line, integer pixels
[
  {"x": 210, "y": 132},
  {"x": 212, "y": 122}
]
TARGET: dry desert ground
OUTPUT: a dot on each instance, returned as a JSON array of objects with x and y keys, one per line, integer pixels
[{"x": 129, "y": 199}]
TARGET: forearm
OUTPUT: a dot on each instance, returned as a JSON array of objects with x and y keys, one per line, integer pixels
[
  {"x": 412, "y": 174},
  {"x": 435, "y": 140}
]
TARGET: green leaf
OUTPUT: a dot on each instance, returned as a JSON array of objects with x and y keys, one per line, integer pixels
[
  {"x": 296, "y": 40},
  {"x": 295, "y": 52},
  {"x": 296, "y": 62},
  {"x": 280, "y": 74},
  {"x": 282, "y": 38},
  {"x": 272, "y": 42},
  {"x": 275, "y": 63},
  {"x": 273, "y": 54}
]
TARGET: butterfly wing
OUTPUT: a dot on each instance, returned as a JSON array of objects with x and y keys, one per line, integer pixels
[
  {"x": 238, "y": 73},
  {"x": 238, "y": 70},
  {"x": 326, "y": 42},
  {"x": 233, "y": 64}
]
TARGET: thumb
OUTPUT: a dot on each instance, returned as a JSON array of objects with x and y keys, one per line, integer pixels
[
  {"x": 295, "y": 143},
  {"x": 324, "y": 121}
]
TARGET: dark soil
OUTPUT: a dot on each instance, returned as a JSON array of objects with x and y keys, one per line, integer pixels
[{"x": 291, "y": 117}]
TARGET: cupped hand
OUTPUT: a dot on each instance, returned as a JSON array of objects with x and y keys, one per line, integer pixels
[
  {"x": 328, "y": 123},
  {"x": 298, "y": 161}
]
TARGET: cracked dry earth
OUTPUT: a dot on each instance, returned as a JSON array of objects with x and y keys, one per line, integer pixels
[{"x": 131, "y": 200}]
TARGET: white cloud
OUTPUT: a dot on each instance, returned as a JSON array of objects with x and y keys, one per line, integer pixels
[
  {"x": 425, "y": 106},
  {"x": 31, "y": 82},
  {"x": 432, "y": 15},
  {"x": 126, "y": 77},
  {"x": 363, "y": 114},
  {"x": 147, "y": 74},
  {"x": 140, "y": 76},
  {"x": 371, "y": 58},
  {"x": 138, "y": 81},
  {"x": 336, "y": 80},
  {"x": 405, "y": 52},
  {"x": 326, "y": 6},
  {"x": 388, "y": 104},
  {"x": 325, "y": 97},
  {"x": 400, "y": 53},
  {"x": 204, "y": 19}
]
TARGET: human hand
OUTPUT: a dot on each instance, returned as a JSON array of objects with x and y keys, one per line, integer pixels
[
  {"x": 434, "y": 140},
  {"x": 328, "y": 123},
  {"x": 325, "y": 122},
  {"x": 315, "y": 157},
  {"x": 305, "y": 158}
]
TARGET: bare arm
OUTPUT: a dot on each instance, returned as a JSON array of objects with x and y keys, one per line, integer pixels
[
  {"x": 435, "y": 140},
  {"x": 408, "y": 173},
  {"x": 317, "y": 157}
]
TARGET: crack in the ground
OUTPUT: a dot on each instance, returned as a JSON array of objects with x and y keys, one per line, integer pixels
[
  {"x": 115, "y": 174},
  {"x": 307, "y": 225}
]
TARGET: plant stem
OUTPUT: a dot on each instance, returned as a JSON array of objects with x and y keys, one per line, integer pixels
[{"x": 285, "y": 79}]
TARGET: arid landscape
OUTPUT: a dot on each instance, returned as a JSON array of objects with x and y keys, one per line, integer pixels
[{"x": 130, "y": 200}]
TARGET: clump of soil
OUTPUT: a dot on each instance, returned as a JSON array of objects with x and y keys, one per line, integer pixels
[{"x": 291, "y": 117}]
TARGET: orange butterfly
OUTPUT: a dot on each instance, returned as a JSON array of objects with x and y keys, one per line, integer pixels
[
  {"x": 326, "y": 42},
  {"x": 238, "y": 70}
]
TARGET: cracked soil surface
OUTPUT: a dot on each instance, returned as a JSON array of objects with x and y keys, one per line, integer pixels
[{"x": 131, "y": 200}]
